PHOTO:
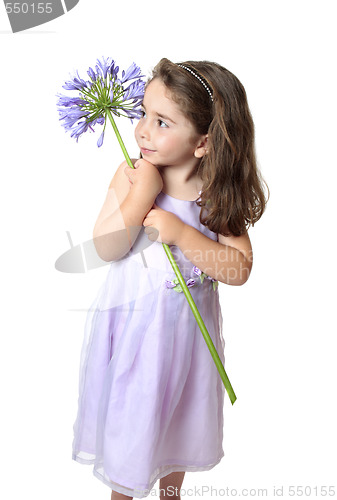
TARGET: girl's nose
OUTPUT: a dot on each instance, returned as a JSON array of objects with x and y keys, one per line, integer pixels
[{"x": 143, "y": 129}]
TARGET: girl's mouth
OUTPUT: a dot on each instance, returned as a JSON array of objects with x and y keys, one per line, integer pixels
[{"x": 146, "y": 151}]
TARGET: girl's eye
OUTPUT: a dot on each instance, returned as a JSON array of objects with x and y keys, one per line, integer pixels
[
  {"x": 162, "y": 124},
  {"x": 143, "y": 113}
]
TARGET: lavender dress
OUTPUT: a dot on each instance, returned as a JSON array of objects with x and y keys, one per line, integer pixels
[{"x": 150, "y": 396}]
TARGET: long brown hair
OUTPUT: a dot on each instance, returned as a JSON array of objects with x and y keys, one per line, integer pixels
[{"x": 232, "y": 197}]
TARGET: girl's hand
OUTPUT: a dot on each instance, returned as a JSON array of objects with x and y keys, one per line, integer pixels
[
  {"x": 145, "y": 179},
  {"x": 168, "y": 225}
]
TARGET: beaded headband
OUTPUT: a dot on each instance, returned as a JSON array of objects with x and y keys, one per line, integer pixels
[{"x": 199, "y": 78}]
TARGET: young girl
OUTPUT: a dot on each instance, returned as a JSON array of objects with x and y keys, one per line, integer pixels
[{"x": 151, "y": 398}]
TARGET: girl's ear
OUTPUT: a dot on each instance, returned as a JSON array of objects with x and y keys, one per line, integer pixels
[{"x": 201, "y": 148}]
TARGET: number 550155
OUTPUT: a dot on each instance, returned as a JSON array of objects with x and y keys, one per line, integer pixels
[{"x": 24, "y": 8}]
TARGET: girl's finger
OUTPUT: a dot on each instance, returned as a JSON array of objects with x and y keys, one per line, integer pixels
[
  {"x": 128, "y": 171},
  {"x": 152, "y": 233}
]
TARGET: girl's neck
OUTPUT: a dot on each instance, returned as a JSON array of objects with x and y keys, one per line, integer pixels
[{"x": 180, "y": 183}]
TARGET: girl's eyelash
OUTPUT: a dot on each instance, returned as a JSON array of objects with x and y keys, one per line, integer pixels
[{"x": 161, "y": 121}]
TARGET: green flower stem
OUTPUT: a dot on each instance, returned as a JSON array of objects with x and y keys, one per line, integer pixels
[
  {"x": 120, "y": 140},
  {"x": 202, "y": 326},
  {"x": 185, "y": 289}
]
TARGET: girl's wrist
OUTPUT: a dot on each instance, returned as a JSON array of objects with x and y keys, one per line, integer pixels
[
  {"x": 182, "y": 235},
  {"x": 144, "y": 194},
  {"x": 135, "y": 207}
]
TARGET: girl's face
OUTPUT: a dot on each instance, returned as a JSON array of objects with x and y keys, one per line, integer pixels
[{"x": 164, "y": 135}]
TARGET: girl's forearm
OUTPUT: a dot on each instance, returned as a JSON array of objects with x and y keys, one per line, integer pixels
[
  {"x": 117, "y": 232},
  {"x": 221, "y": 262}
]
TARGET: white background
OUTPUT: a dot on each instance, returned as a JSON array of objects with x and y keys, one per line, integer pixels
[{"x": 280, "y": 328}]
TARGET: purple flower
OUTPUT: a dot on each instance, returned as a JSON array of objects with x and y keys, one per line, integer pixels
[
  {"x": 104, "y": 91},
  {"x": 92, "y": 74},
  {"x": 133, "y": 113},
  {"x": 135, "y": 90},
  {"x": 132, "y": 72},
  {"x": 75, "y": 84},
  {"x": 77, "y": 130},
  {"x": 100, "y": 120},
  {"x": 70, "y": 117},
  {"x": 69, "y": 101},
  {"x": 104, "y": 66},
  {"x": 100, "y": 139}
]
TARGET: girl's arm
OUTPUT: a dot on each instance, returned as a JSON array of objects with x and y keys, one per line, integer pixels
[
  {"x": 130, "y": 196},
  {"x": 228, "y": 260}
]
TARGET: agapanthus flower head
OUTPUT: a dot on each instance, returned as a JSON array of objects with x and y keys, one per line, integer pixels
[{"x": 103, "y": 91}]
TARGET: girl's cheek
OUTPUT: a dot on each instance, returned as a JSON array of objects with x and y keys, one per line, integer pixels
[
  {"x": 165, "y": 142},
  {"x": 136, "y": 131}
]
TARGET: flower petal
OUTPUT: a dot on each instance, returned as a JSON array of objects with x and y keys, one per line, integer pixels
[
  {"x": 92, "y": 74},
  {"x": 100, "y": 140},
  {"x": 104, "y": 65},
  {"x": 132, "y": 72}
]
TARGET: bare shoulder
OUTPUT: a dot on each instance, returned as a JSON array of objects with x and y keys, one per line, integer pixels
[{"x": 241, "y": 243}]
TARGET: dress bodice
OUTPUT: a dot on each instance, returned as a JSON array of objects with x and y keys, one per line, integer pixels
[{"x": 154, "y": 255}]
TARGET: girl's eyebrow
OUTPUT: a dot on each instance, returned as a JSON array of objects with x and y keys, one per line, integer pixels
[{"x": 161, "y": 115}]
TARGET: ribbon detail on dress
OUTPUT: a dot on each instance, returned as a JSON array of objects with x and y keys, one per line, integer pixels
[{"x": 175, "y": 285}]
